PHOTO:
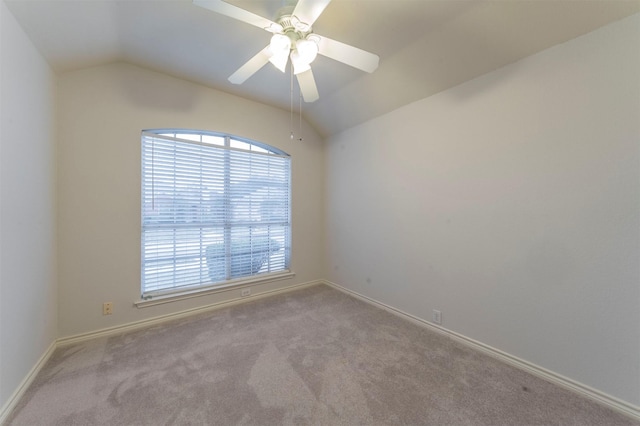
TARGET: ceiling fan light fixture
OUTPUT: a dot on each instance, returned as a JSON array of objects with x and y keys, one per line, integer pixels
[
  {"x": 280, "y": 43},
  {"x": 280, "y": 46},
  {"x": 307, "y": 50},
  {"x": 280, "y": 59},
  {"x": 299, "y": 64}
]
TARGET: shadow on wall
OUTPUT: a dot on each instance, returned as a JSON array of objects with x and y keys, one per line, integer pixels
[
  {"x": 462, "y": 49},
  {"x": 148, "y": 89}
]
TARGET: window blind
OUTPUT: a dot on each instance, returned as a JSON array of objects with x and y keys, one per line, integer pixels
[{"x": 211, "y": 212}]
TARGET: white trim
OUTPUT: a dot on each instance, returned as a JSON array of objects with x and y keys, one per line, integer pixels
[
  {"x": 605, "y": 399},
  {"x": 26, "y": 382},
  {"x": 65, "y": 341},
  {"x": 189, "y": 294},
  {"x": 609, "y": 401},
  {"x": 118, "y": 329}
]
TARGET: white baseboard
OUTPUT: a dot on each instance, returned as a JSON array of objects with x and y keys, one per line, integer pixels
[
  {"x": 64, "y": 341},
  {"x": 118, "y": 329},
  {"x": 612, "y": 402},
  {"x": 26, "y": 382},
  {"x": 609, "y": 401}
]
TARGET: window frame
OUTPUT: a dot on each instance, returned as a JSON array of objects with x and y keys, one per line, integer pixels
[{"x": 243, "y": 145}]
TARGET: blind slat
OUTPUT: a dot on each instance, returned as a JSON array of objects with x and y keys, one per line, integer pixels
[{"x": 211, "y": 213}]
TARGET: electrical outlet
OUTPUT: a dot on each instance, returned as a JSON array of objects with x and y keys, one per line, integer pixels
[
  {"x": 245, "y": 292},
  {"x": 107, "y": 308},
  {"x": 437, "y": 316}
]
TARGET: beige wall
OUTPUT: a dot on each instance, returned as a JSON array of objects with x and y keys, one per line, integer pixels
[
  {"x": 28, "y": 294},
  {"x": 512, "y": 204},
  {"x": 101, "y": 113}
]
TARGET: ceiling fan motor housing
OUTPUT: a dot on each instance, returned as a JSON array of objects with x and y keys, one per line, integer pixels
[{"x": 293, "y": 28}]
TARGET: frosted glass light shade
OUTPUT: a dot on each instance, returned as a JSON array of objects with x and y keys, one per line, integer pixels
[
  {"x": 299, "y": 64},
  {"x": 279, "y": 60},
  {"x": 307, "y": 49},
  {"x": 280, "y": 43}
]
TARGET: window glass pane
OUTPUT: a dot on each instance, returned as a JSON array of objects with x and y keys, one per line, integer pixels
[
  {"x": 188, "y": 136},
  {"x": 214, "y": 140},
  {"x": 211, "y": 214},
  {"x": 240, "y": 144}
]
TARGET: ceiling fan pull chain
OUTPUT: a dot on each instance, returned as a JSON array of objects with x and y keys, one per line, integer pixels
[
  {"x": 291, "y": 100},
  {"x": 300, "y": 116}
]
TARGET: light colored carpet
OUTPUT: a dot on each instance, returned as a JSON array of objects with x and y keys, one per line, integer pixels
[{"x": 313, "y": 356}]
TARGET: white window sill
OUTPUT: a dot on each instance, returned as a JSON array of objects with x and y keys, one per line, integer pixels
[{"x": 205, "y": 291}]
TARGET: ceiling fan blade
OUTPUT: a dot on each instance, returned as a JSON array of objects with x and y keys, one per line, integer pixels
[
  {"x": 308, "y": 86},
  {"x": 308, "y": 11},
  {"x": 235, "y": 12},
  {"x": 357, "y": 58},
  {"x": 251, "y": 67}
]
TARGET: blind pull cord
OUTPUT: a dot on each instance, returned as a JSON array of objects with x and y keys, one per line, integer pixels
[{"x": 153, "y": 176}]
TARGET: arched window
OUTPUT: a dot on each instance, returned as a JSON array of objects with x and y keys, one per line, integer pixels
[{"x": 215, "y": 210}]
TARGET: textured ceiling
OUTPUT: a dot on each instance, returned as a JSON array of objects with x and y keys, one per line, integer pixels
[{"x": 425, "y": 46}]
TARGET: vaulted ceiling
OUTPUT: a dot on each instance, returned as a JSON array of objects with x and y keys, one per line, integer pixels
[{"x": 425, "y": 46}]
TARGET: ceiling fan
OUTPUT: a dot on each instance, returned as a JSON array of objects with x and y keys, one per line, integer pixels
[{"x": 293, "y": 38}]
